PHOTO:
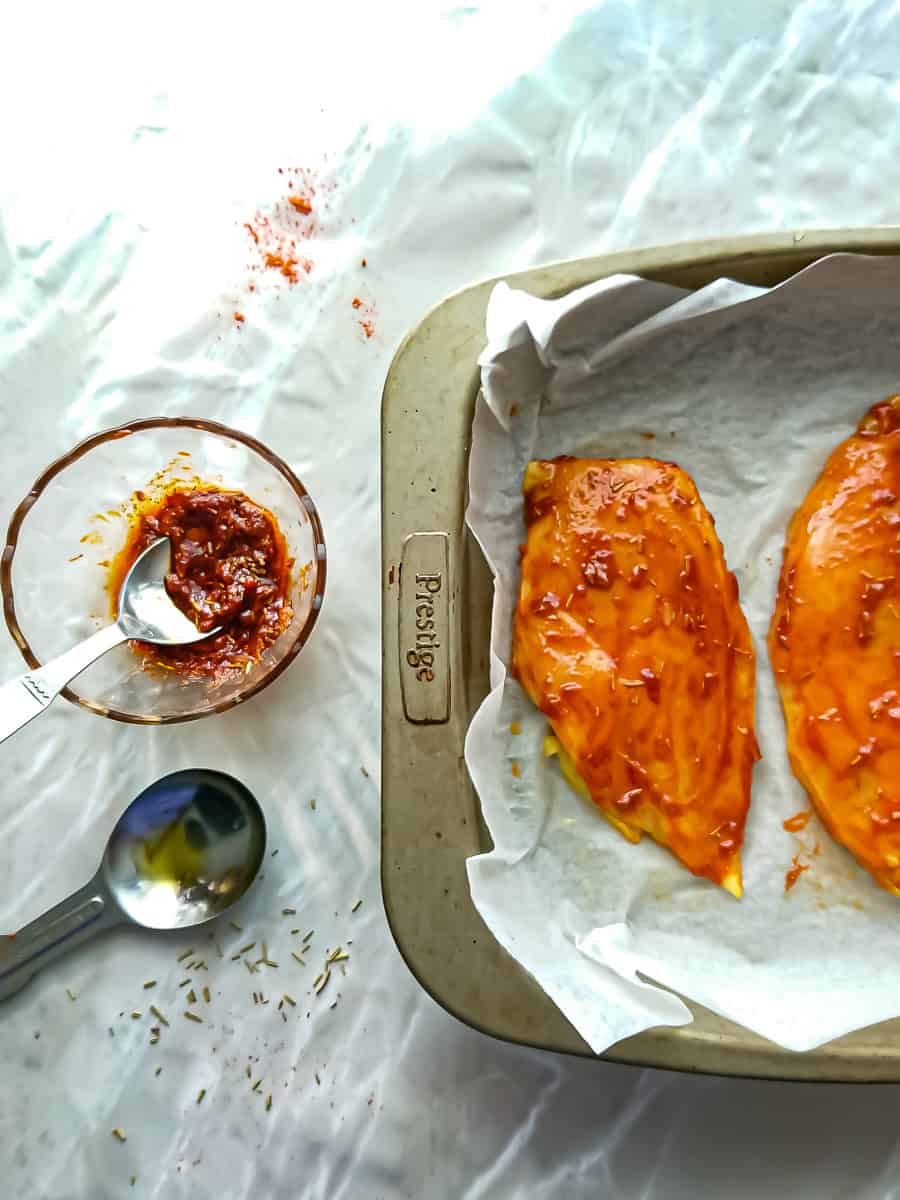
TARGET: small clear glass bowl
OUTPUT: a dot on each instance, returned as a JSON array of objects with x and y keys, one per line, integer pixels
[{"x": 64, "y": 534}]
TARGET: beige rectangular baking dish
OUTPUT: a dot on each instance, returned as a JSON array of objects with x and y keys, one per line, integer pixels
[{"x": 436, "y": 606}]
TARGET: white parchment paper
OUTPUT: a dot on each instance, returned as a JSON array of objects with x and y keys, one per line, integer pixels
[{"x": 748, "y": 390}]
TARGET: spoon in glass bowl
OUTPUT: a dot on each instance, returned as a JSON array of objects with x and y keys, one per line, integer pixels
[
  {"x": 146, "y": 614},
  {"x": 185, "y": 850}
]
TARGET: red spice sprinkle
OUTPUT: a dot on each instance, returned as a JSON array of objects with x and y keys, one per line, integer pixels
[
  {"x": 365, "y": 311},
  {"x": 797, "y": 822},
  {"x": 791, "y": 876},
  {"x": 279, "y": 229},
  {"x": 287, "y": 266}
]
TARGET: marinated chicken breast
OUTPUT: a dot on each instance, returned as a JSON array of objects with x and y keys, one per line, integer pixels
[
  {"x": 834, "y": 643},
  {"x": 629, "y": 636}
]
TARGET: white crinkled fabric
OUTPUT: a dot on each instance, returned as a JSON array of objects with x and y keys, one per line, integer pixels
[{"x": 447, "y": 145}]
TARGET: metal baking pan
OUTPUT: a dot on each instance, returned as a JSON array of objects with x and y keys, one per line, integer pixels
[{"x": 436, "y": 608}]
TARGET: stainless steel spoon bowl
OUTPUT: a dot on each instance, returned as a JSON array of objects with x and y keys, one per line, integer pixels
[
  {"x": 146, "y": 614},
  {"x": 185, "y": 850}
]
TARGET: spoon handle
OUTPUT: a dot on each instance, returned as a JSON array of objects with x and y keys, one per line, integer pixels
[
  {"x": 26, "y": 696},
  {"x": 57, "y": 931}
]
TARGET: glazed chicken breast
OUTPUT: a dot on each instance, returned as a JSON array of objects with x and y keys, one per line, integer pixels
[
  {"x": 834, "y": 643},
  {"x": 629, "y": 636}
]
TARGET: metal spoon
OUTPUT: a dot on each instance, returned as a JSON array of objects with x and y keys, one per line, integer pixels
[
  {"x": 183, "y": 852},
  {"x": 146, "y": 613}
]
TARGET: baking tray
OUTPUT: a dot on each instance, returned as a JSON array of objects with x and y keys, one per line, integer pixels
[{"x": 436, "y": 609}]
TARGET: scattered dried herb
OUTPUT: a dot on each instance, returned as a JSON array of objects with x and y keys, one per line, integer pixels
[{"x": 324, "y": 982}]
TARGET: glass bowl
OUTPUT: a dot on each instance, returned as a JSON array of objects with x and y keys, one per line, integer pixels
[{"x": 62, "y": 537}]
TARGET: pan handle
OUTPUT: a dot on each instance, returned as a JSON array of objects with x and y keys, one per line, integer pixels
[{"x": 424, "y": 628}]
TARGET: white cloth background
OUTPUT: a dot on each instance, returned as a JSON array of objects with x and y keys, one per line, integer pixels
[{"x": 133, "y": 145}]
